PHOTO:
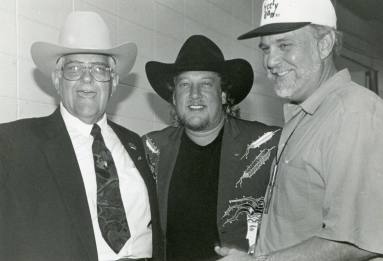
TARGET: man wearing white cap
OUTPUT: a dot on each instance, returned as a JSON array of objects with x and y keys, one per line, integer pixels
[
  {"x": 325, "y": 197},
  {"x": 74, "y": 185}
]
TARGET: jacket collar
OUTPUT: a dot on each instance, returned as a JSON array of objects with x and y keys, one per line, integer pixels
[
  {"x": 62, "y": 162},
  {"x": 312, "y": 103}
]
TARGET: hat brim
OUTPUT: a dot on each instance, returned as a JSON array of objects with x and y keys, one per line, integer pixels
[
  {"x": 45, "y": 56},
  {"x": 238, "y": 71},
  {"x": 275, "y": 28}
]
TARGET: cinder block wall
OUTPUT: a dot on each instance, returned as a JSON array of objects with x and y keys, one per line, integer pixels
[
  {"x": 362, "y": 41},
  {"x": 159, "y": 27}
]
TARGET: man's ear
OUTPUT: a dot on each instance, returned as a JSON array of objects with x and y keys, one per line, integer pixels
[
  {"x": 223, "y": 97},
  {"x": 173, "y": 90},
  {"x": 326, "y": 44},
  {"x": 56, "y": 75},
  {"x": 174, "y": 98},
  {"x": 115, "y": 81}
]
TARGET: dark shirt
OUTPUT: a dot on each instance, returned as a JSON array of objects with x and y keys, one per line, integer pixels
[{"x": 192, "y": 202}]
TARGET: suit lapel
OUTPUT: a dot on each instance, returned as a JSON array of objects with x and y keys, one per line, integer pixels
[
  {"x": 65, "y": 169},
  {"x": 136, "y": 153},
  {"x": 133, "y": 150},
  {"x": 168, "y": 157},
  {"x": 230, "y": 155},
  {"x": 230, "y": 147}
]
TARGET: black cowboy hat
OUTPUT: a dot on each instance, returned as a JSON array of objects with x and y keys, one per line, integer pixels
[{"x": 199, "y": 53}]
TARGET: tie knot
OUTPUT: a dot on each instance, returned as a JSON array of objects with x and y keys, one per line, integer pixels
[{"x": 96, "y": 131}]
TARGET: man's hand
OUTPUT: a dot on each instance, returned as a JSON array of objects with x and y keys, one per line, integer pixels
[{"x": 232, "y": 254}]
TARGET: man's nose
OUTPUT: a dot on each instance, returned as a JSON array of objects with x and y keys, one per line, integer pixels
[
  {"x": 86, "y": 75},
  {"x": 272, "y": 59},
  {"x": 195, "y": 91}
]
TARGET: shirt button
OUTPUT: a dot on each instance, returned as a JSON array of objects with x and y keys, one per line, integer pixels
[{"x": 286, "y": 161}]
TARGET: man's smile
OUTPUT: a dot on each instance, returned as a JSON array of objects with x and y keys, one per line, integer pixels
[
  {"x": 86, "y": 93},
  {"x": 196, "y": 107}
]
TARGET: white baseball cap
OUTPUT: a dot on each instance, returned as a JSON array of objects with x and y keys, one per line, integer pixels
[{"x": 280, "y": 16}]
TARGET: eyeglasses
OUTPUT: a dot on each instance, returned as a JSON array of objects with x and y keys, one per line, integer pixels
[{"x": 73, "y": 71}]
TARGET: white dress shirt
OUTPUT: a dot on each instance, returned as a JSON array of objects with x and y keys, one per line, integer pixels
[{"x": 132, "y": 187}]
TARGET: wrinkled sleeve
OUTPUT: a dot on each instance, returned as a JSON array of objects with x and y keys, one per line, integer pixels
[{"x": 353, "y": 203}]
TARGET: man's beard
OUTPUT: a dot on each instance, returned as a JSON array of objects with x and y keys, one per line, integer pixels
[
  {"x": 291, "y": 84},
  {"x": 285, "y": 89},
  {"x": 195, "y": 126},
  {"x": 285, "y": 86}
]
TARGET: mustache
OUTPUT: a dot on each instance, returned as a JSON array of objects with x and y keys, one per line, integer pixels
[
  {"x": 278, "y": 69},
  {"x": 198, "y": 101}
]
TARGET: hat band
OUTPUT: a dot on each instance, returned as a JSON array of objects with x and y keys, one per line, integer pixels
[{"x": 214, "y": 67}]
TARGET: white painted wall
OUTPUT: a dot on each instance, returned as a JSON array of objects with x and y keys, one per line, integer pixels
[
  {"x": 362, "y": 41},
  {"x": 159, "y": 27}
]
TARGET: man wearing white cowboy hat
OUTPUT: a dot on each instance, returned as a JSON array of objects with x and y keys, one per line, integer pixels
[
  {"x": 325, "y": 198},
  {"x": 212, "y": 169},
  {"x": 74, "y": 185}
]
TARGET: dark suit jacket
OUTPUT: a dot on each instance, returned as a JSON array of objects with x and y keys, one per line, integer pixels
[
  {"x": 162, "y": 149},
  {"x": 44, "y": 214}
]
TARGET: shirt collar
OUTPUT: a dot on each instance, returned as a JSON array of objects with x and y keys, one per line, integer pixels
[
  {"x": 290, "y": 110},
  {"x": 311, "y": 104},
  {"x": 74, "y": 124}
]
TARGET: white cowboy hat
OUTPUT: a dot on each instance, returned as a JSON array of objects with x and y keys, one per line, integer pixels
[
  {"x": 83, "y": 32},
  {"x": 280, "y": 16}
]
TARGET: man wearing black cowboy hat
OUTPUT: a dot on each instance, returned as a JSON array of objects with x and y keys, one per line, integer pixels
[
  {"x": 212, "y": 169},
  {"x": 75, "y": 186}
]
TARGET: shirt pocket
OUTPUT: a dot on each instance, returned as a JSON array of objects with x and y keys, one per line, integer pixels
[{"x": 292, "y": 195}]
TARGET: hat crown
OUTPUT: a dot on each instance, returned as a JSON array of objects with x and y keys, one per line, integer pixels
[
  {"x": 319, "y": 12},
  {"x": 85, "y": 30},
  {"x": 198, "y": 51}
]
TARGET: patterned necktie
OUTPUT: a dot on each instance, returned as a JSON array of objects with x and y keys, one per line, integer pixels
[{"x": 110, "y": 210}]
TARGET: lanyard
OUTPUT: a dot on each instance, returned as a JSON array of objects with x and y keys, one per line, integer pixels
[{"x": 270, "y": 186}]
